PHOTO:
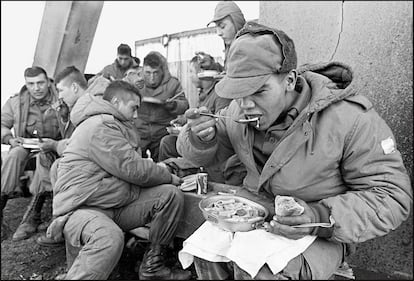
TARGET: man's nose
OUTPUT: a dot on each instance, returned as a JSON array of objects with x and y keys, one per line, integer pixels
[
  {"x": 36, "y": 86},
  {"x": 135, "y": 114},
  {"x": 219, "y": 31}
]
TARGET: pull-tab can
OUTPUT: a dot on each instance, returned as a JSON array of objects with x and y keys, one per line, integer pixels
[{"x": 202, "y": 183}]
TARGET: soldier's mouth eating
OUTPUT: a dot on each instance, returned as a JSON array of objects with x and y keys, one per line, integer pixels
[{"x": 251, "y": 119}]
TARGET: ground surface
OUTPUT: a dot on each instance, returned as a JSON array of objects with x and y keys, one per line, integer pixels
[{"x": 26, "y": 260}]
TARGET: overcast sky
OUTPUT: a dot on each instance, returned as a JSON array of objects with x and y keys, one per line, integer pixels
[{"x": 120, "y": 22}]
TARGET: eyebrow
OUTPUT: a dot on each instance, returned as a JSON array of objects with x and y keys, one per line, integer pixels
[{"x": 261, "y": 89}]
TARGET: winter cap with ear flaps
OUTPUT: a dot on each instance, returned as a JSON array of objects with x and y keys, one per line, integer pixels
[
  {"x": 257, "y": 52},
  {"x": 229, "y": 8}
]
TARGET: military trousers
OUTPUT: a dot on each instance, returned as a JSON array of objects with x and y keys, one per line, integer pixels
[
  {"x": 13, "y": 167},
  {"x": 95, "y": 239},
  {"x": 319, "y": 262}
]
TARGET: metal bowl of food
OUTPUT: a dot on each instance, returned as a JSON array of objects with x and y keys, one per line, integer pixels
[{"x": 233, "y": 213}]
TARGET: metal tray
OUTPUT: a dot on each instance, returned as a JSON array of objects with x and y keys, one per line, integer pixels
[{"x": 230, "y": 225}]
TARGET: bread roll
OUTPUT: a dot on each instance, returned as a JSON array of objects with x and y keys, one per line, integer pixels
[{"x": 287, "y": 206}]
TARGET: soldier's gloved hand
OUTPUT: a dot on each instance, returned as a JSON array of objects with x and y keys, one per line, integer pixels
[
  {"x": 48, "y": 145},
  {"x": 17, "y": 141},
  {"x": 202, "y": 126},
  {"x": 170, "y": 105},
  {"x": 281, "y": 225},
  {"x": 175, "y": 180}
]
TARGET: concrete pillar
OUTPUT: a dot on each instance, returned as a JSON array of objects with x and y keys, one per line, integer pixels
[
  {"x": 66, "y": 34},
  {"x": 376, "y": 40}
]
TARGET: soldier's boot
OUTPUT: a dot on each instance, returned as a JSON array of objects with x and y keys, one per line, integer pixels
[
  {"x": 153, "y": 266},
  {"x": 5, "y": 230},
  {"x": 31, "y": 219},
  {"x": 44, "y": 225}
]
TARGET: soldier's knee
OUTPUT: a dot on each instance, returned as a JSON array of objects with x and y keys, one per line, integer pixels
[
  {"x": 110, "y": 239},
  {"x": 16, "y": 153},
  {"x": 176, "y": 194}
]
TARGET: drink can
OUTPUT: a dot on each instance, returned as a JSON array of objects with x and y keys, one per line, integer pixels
[{"x": 202, "y": 183}]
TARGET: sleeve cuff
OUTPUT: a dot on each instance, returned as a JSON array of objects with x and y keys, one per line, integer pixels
[{"x": 322, "y": 214}]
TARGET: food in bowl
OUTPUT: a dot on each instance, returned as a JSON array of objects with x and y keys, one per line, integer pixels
[{"x": 233, "y": 211}]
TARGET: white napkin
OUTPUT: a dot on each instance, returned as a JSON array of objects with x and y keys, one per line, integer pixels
[
  {"x": 249, "y": 250},
  {"x": 253, "y": 249},
  {"x": 208, "y": 242}
]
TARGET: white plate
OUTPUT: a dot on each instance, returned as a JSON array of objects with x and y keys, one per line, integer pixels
[
  {"x": 31, "y": 146},
  {"x": 31, "y": 143},
  {"x": 152, "y": 100},
  {"x": 207, "y": 74}
]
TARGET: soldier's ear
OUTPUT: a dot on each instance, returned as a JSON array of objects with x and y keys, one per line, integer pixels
[
  {"x": 75, "y": 87},
  {"x": 291, "y": 79},
  {"x": 115, "y": 100}
]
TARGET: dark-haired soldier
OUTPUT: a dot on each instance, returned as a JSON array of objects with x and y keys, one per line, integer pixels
[
  {"x": 117, "y": 69},
  {"x": 105, "y": 187},
  {"x": 154, "y": 118},
  {"x": 71, "y": 85},
  {"x": 30, "y": 115}
]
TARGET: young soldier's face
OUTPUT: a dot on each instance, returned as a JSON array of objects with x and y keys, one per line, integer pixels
[
  {"x": 38, "y": 86},
  {"x": 152, "y": 76},
  {"x": 129, "y": 107},
  {"x": 124, "y": 60},
  {"x": 226, "y": 30},
  {"x": 267, "y": 103},
  {"x": 67, "y": 92}
]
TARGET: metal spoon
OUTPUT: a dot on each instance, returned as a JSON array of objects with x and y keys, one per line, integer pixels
[
  {"x": 176, "y": 96},
  {"x": 214, "y": 115},
  {"x": 37, "y": 135},
  {"x": 241, "y": 121}
]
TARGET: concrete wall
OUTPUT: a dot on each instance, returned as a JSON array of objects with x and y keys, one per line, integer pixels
[{"x": 375, "y": 39}]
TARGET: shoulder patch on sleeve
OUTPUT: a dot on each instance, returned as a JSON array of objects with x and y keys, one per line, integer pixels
[
  {"x": 388, "y": 145},
  {"x": 360, "y": 100}
]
